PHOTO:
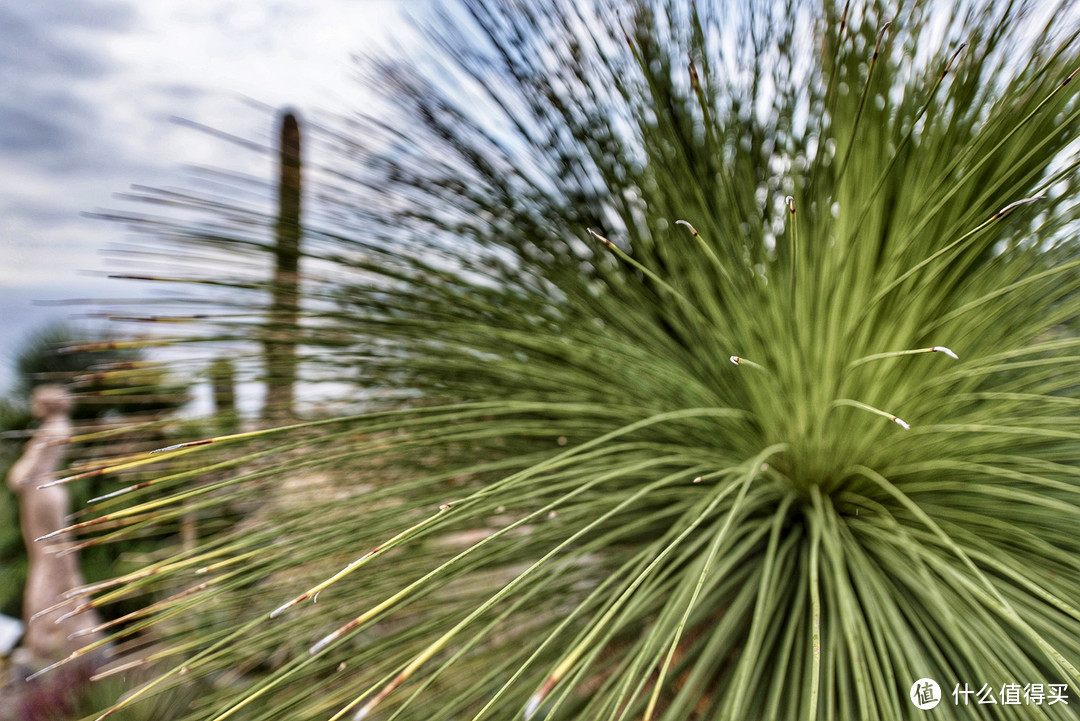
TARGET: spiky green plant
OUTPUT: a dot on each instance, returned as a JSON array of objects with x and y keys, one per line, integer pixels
[{"x": 725, "y": 368}]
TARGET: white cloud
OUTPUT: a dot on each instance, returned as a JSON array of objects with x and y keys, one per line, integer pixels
[{"x": 99, "y": 80}]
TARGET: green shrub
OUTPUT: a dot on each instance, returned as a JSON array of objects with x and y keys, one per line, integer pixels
[{"x": 793, "y": 427}]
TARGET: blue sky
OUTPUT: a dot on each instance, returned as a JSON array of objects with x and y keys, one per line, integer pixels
[{"x": 88, "y": 93}]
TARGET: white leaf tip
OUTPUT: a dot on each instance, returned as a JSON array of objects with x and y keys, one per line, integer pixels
[
  {"x": 281, "y": 609},
  {"x": 323, "y": 643},
  {"x": 946, "y": 351}
]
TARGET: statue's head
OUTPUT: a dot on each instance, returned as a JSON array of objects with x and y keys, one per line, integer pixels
[{"x": 50, "y": 400}]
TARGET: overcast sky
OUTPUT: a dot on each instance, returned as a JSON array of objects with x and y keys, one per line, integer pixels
[{"x": 88, "y": 91}]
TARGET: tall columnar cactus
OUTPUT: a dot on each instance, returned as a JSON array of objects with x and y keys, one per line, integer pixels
[
  {"x": 281, "y": 322},
  {"x": 223, "y": 393}
]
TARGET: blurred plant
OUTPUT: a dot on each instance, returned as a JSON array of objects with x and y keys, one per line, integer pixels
[
  {"x": 109, "y": 376},
  {"x": 791, "y": 427},
  {"x": 12, "y": 553},
  {"x": 71, "y": 695},
  {"x": 223, "y": 387},
  {"x": 280, "y": 346}
]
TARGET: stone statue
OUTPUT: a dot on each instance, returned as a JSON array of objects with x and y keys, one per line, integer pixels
[{"x": 42, "y": 511}]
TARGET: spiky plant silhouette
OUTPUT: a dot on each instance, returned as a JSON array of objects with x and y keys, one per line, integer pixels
[{"x": 720, "y": 365}]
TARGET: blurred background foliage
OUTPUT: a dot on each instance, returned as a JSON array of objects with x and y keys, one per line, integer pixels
[{"x": 659, "y": 359}]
